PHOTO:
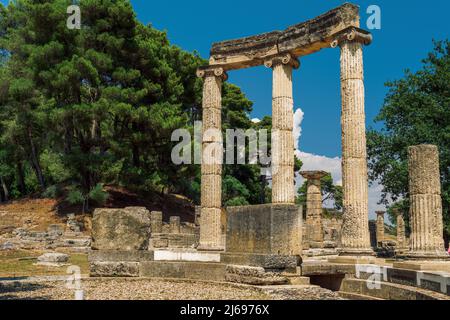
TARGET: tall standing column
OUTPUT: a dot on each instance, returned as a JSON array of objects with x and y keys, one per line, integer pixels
[
  {"x": 355, "y": 230},
  {"x": 380, "y": 226},
  {"x": 282, "y": 126},
  {"x": 212, "y": 158},
  {"x": 425, "y": 203},
  {"x": 314, "y": 227}
]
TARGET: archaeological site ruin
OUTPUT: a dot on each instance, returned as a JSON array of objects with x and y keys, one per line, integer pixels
[
  {"x": 280, "y": 245},
  {"x": 270, "y": 244}
]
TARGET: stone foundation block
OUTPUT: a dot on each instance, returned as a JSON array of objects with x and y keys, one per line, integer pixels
[
  {"x": 120, "y": 256},
  {"x": 272, "y": 229},
  {"x": 268, "y": 262},
  {"x": 253, "y": 276},
  {"x": 114, "y": 269}
]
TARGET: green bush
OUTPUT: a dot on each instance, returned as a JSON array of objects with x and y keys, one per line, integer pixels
[
  {"x": 75, "y": 196},
  {"x": 98, "y": 195}
]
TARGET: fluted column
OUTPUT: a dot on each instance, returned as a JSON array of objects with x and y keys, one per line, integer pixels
[
  {"x": 380, "y": 226},
  {"x": 401, "y": 232},
  {"x": 212, "y": 158},
  {"x": 355, "y": 230},
  {"x": 425, "y": 203},
  {"x": 282, "y": 126},
  {"x": 314, "y": 227}
]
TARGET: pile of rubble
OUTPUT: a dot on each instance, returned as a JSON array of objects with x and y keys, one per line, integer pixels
[{"x": 56, "y": 236}]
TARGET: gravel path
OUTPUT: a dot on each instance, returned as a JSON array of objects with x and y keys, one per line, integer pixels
[{"x": 155, "y": 289}]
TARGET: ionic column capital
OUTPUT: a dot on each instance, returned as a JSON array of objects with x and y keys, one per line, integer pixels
[
  {"x": 209, "y": 71},
  {"x": 285, "y": 58},
  {"x": 351, "y": 34}
]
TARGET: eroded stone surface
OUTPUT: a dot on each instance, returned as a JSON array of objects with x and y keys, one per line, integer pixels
[
  {"x": 426, "y": 204},
  {"x": 121, "y": 229},
  {"x": 253, "y": 275},
  {"x": 114, "y": 269}
]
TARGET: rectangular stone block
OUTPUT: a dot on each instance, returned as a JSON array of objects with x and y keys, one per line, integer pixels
[
  {"x": 264, "y": 229},
  {"x": 266, "y": 261},
  {"x": 121, "y": 229},
  {"x": 183, "y": 270},
  {"x": 159, "y": 240},
  {"x": 118, "y": 256},
  {"x": 181, "y": 240},
  {"x": 402, "y": 276},
  {"x": 114, "y": 269}
]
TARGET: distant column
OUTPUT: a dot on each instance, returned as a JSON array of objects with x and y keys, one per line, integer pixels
[
  {"x": 401, "y": 232},
  {"x": 156, "y": 221},
  {"x": 355, "y": 229},
  {"x": 380, "y": 227},
  {"x": 425, "y": 203},
  {"x": 314, "y": 227},
  {"x": 212, "y": 157},
  {"x": 282, "y": 126},
  {"x": 175, "y": 224}
]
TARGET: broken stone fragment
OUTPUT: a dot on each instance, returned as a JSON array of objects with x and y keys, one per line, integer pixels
[{"x": 54, "y": 259}]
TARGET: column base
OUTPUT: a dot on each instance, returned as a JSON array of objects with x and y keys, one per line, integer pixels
[
  {"x": 354, "y": 256},
  {"x": 356, "y": 252},
  {"x": 425, "y": 255},
  {"x": 316, "y": 244}
]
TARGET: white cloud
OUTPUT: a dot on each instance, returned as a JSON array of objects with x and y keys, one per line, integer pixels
[
  {"x": 329, "y": 164},
  {"x": 297, "y": 132},
  {"x": 256, "y": 120}
]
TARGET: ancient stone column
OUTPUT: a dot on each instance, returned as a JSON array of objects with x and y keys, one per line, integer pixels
[
  {"x": 283, "y": 189},
  {"x": 380, "y": 226},
  {"x": 425, "y": 203},
  {"x": 212, "y": 157},
  {"x": 314, "y": 227},
  {"x": 355, "y": 231},
  {"x": 401, "y": 232},
  {"x": 156, "y": 221},
  {"x": 175, "y": 225}
]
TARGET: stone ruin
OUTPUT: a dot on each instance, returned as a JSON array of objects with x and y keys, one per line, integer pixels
[
  {"x": 57, "y": 236},
  {"x": 270, "y": 244}
]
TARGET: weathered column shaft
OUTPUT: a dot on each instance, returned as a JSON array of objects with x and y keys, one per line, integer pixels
[
  {"x": 355, "y": 231},
  {"x": 314, "y": 209},
  {"x": 425, "y": 202},
  {"x": 380, "y": 226},
  {"x": 212, "y": 157},
  {"x": 282, "y": 126},
  {"x": 401, "y": 232}
]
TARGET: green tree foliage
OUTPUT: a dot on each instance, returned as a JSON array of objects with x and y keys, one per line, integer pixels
[
  {"x": 416, "y": 111},
  {"x": 83, "y": 108}
]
